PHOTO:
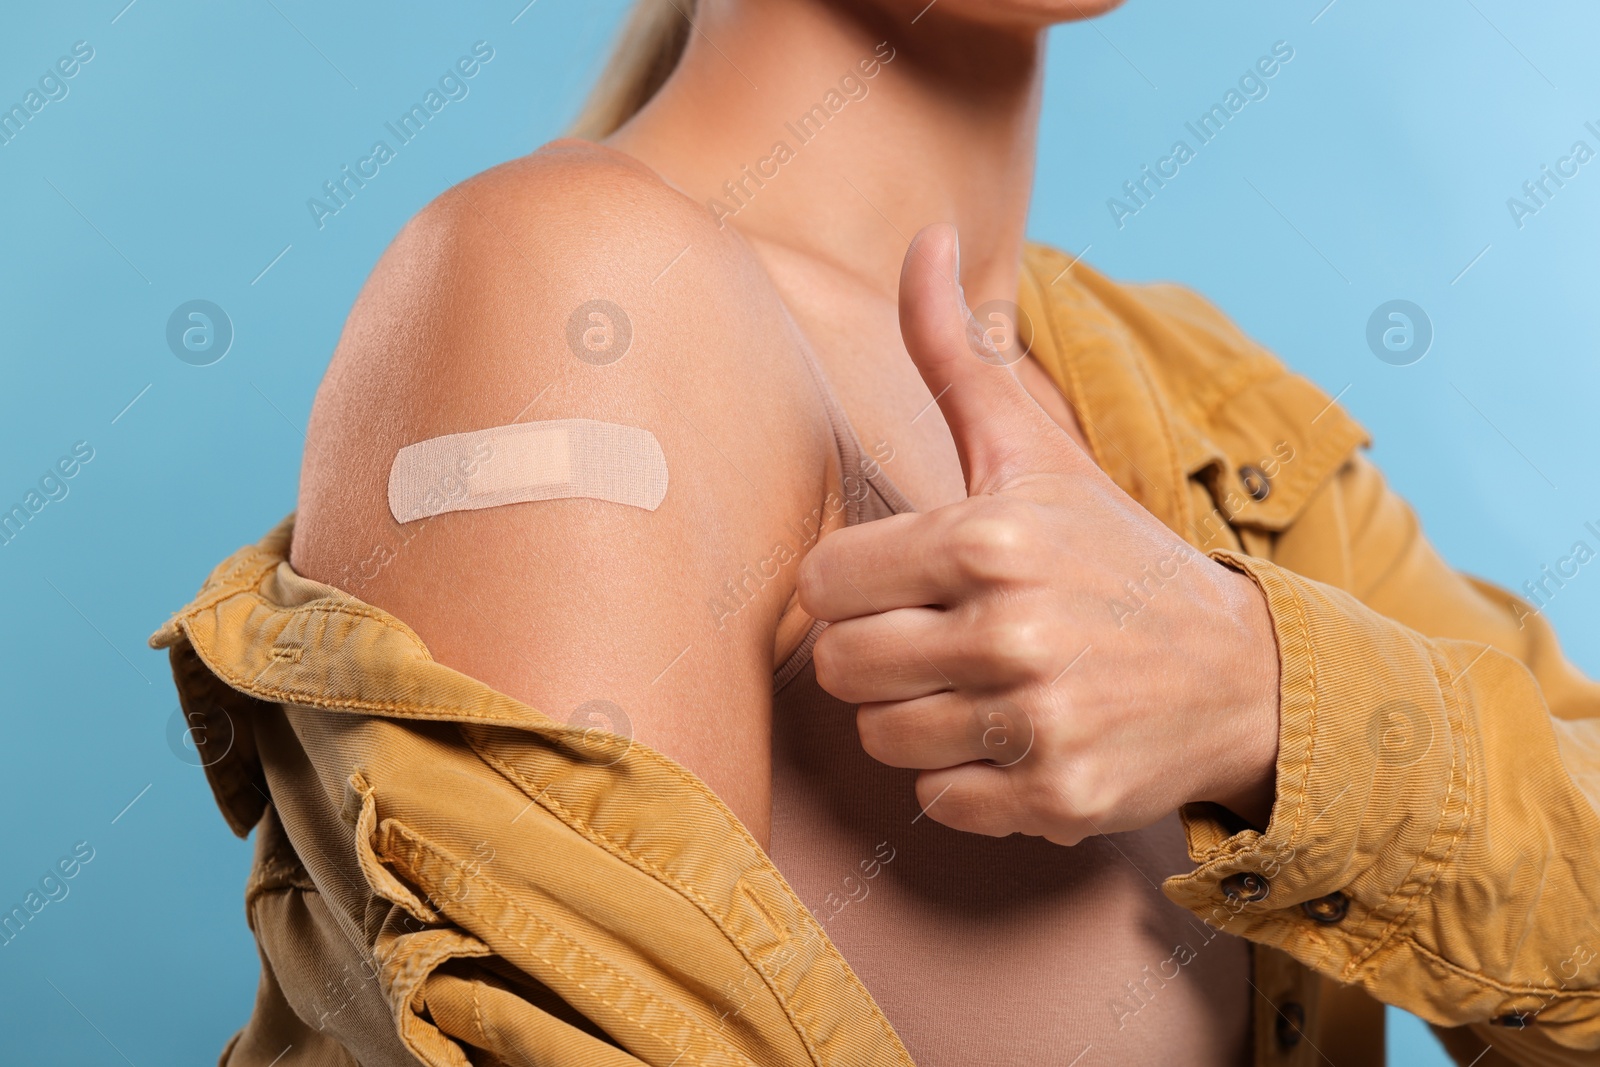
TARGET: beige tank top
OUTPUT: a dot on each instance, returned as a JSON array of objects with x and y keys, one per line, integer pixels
[{"x": 989, "y": 951}]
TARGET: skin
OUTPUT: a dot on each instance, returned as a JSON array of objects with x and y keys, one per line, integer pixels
[{"x": 979, "y": 605}]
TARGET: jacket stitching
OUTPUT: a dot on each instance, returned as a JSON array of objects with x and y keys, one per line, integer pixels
[
  {"x": 572, "y": 819},
  {"x": 1307, "y": 646},
  {"x": 1069, "y": 350},
  {"x": 477, "y": 1015},
  {"x": 421, "y": 846},
  {"x": 1177, "y": 481},
  {"x": 1257, "y": 370},
  {"x": 642, "y": 863},
  {"x": 388, "y": 621},
  {"x": 246, "y": 567},
  {"x": 1303, "y": 632},
  {"x": 1506, "y": 988},
  {"x": 700, "y": 901},
  {"x": 304, "y": 698},
  {"x": 1070, "y": 367},
  {"x": 1157, "y": 406}
]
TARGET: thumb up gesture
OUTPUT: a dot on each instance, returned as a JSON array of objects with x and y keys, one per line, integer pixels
[{"x": 989, "y": 642}]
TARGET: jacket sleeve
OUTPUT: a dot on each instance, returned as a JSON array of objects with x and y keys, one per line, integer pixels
[{"x": 1436, "y": 831}]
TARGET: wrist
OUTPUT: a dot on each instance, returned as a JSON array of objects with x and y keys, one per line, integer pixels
[{"x": 1246, "y": 673}]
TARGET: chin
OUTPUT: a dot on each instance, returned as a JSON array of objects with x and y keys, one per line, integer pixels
[
  {"x": 1086, "y": 9},
  {"x": 1036, "y": 12}
]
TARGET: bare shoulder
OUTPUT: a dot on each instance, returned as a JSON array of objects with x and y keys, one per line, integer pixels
[
  {"x": 568, "y": 283},
  {"x": 502, "y": 276},
  {"x": 574, "y": 283}
]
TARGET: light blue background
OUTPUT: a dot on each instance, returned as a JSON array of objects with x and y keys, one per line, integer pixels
[{"x": 179, "y": 167}]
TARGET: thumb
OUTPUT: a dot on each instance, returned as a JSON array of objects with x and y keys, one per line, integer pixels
[{"x": 999, "y": 430}]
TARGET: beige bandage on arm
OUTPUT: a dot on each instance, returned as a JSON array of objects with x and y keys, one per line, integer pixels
[{"x": 525, "y": 462}]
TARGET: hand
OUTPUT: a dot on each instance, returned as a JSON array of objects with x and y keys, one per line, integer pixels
[{"x": 1053, "y": 659}]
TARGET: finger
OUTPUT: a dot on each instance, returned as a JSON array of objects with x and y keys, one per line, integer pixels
[
  {"x": 913, "y": 652},
  {"x": 899, "y": 655},
  {"x": 898, "y": 562},
  {"x": 944, "y": 730},
  {"x": 1000, "y": 431},
  {"x": 974, "y": 797}
]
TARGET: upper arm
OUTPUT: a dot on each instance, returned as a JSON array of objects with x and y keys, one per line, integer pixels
[{"x": 464, "y": 326}]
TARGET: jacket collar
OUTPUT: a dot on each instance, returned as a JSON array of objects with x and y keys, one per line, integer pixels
[
  {"x": 1130, "y": 428},
  {"x": 1169, "y": 391}
]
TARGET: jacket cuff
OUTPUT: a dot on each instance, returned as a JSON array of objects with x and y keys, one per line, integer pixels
[{"x": 1370, "y": 800}]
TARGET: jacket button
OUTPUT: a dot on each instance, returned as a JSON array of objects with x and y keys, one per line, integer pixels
[
  {"x": 1247, "y": 886},
  {"x": 1329, "y": 909},
  {"x": 1290, "y": 1025},
  {"x": 1256, "y": 482},
  {"x": 1514, "y": 1020}
]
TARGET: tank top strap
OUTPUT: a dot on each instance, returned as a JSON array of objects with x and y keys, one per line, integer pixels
[
  {"x": 859, "y": 469},
  {"x": 867, "y": 491}
]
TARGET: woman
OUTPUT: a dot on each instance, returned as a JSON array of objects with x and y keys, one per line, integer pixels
[{"x": 982, "y": 625}]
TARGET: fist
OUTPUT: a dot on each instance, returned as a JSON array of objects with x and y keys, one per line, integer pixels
[{"x": 1052, "y": 658}]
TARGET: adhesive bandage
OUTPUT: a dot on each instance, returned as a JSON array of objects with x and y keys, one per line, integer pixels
[{"x": 526, "y": 462}]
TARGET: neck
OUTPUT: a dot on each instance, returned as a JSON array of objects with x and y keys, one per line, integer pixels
[{"x": 838, "y": 134}]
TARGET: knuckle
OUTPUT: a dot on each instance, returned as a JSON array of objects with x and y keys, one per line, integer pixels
[
  {"x": 1085, "y": 797},
  {"x": 994, "y": 543},
  {"x": 1007, "y": 732},
  {"x": 1053, "y": 734},
  {"x": 1020, "y": 645}
]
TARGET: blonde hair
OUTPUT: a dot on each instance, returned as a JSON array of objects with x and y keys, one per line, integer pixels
[{"x": 651, "y": 43}]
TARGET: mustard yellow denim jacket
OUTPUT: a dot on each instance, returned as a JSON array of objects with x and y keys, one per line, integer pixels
[{"x": 445, "y": 875}]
